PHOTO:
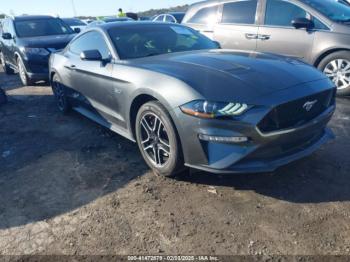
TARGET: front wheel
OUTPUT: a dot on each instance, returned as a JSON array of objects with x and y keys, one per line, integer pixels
[
  {"x": 25, "y": 79},
  {"x": 60, "y": 95},
  {"x": 158, "y": 141},
  {"x": 337, "y": 67}
]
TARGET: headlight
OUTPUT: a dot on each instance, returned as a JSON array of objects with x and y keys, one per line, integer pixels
[
  {"x": 35, "y": 51},
  {"x": 206, "y": 109}
]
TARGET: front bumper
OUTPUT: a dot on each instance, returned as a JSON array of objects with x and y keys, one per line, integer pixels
[
  {"x": 262, "y": 153},
  {"x": 37, "y": 67}
]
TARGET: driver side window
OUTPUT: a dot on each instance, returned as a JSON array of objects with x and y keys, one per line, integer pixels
[
  {"x": 282, "y": 13},
  {"x": 90, "y": 41}
]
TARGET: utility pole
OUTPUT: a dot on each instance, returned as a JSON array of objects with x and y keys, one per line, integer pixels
[{"x": 74, "y": 9}]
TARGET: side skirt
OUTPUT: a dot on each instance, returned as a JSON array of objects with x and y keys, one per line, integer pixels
[{"x": 98, "y": 119}]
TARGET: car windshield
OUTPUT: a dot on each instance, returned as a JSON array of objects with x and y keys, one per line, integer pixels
[
  {"x": 73, "y": 22},
  {"x": 334, "y": 10},
  {"x": 41, "y": 27},
  {"x": 179, "y": 17},
  {"x": 149, "y": 40}
]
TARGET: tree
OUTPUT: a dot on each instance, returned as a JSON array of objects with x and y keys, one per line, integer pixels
[{"x": 152, "y": 12}]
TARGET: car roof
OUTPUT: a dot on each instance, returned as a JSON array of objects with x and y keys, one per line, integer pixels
[
  {"x": 31, "y": 17},
  {"x": 109, "y": 19},
  {"x": 128, "y": 24},
  {"x": 207, "y": 2}
]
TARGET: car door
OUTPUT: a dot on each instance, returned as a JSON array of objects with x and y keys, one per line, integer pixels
[
  {"x": 12, "y": 43},
  {"x": 93, "y": 79},
  {"x": 237, "y": 28},
  {"x": 277, "y": 34}
]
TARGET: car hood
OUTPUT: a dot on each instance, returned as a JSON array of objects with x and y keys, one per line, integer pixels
[
  {"x": 53, "y": 41},
  {"x": 225, "y": 74}
]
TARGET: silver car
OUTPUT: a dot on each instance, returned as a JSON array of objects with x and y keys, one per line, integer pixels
[{"x": 316, "y": 31}]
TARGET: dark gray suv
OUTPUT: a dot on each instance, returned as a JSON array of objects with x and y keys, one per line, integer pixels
[{"x": 316, "y": 31}]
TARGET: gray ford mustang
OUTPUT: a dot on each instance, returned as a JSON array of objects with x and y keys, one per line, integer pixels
[{"x": 188, "y": 103}]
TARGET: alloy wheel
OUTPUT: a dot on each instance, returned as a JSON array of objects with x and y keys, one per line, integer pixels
[
  {"x": 22, "y": 72},
  {"x": 338, "y": 71},
  {"x": 60, "y": 95},
  {"x": 155, "y": 140}
]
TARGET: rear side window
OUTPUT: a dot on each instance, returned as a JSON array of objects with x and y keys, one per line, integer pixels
[
  {"x": 240, "y": 12},
  {"x": 90, "y": 41},
  {"x": 205, "y": 15},
  {"x": 282, "y": 13}
]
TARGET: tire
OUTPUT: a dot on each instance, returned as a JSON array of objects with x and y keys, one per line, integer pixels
[
  {"x": 59, "y": 92},
  {"x": 337, "y": 67},
  {"x": 25, "y": 79},
  {"x": 155, "y": 130},
  {"x": 7, "y": 69}
]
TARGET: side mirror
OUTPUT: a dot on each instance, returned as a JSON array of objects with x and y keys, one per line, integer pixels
[
  {"x": 6, "y": 36},
  {"x": 91, "y": 55},
  {"x": 77, "y": 30},
  {"x": 217, "y": 44},
  {"x": 303, "y": 22}
]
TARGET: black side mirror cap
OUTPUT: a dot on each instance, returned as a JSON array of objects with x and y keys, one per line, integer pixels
[
  {"x": 6, "y": 36},
  {"x": 77, "y": 30},
  {"x": 303, "y": 22},
  {"x": 91, "y": 55}
]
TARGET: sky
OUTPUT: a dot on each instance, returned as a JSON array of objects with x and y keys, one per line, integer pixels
[{"x": 83, "y": 7}]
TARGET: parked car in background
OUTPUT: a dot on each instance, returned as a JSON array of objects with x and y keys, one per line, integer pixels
[
  {"x": 345, "y": 2},
  {"x": 316, "y": 31},
  {"x": 144, "y": 18},
  {"x": 110, "y": 20},
  {"x": 175, "y": 17},
  {"x": 133, "y": 16},
  {"x": 88, "y": 21},
  {"x": 185, "y": 101},
  {"x": 76, "y": 24},
  {"x": 27, "y": 42}
]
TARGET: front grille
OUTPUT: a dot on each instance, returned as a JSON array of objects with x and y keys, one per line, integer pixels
[{"x": 295, "y": 113}]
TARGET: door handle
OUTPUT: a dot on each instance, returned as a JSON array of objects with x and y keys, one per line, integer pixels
[
  {"x": 208, "y": 31},
  {"x": 264, "y": 37},
  {"x": 251, "y": 36},
  {"x": 70, "y": 67}
]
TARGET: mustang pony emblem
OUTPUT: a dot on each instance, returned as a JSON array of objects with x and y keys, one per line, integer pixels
[{"x": 309, "y": 104}]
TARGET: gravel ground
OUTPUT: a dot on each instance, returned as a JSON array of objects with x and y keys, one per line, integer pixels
[{"x": 69, "y": 186}]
